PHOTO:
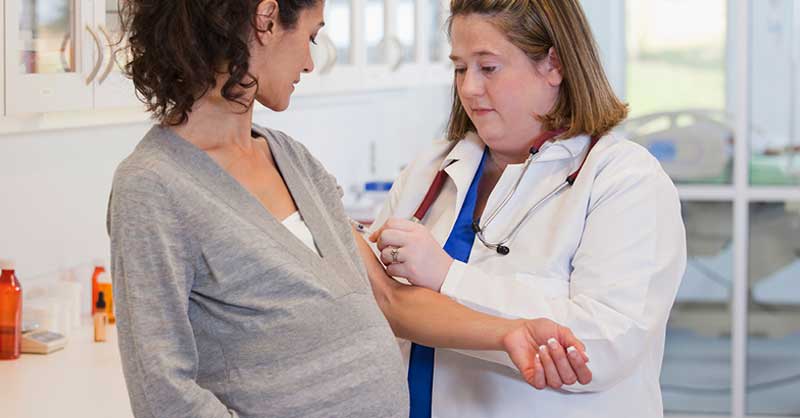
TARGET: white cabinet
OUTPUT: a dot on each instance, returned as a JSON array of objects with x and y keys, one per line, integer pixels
[
  {"x": 435, "y": 21},
  {"x": 379, "y": 45},
  {"x": 407, "y": 37},
  {"x": 337, "y": 57},
  {"x": 418, "y": 27},
  {"x": 58, "y": 56},
  {"x": 434, "y": 45},
  {"x": 64, "y": 55},
  {"x": 112, "y": 88},
  {"x": 392, "y": 31},
  {"x": 48, "y": 55},
  {"x": 2, "y": 61}
]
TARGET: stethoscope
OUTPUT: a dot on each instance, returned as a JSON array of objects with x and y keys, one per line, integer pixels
[{"x": 501, "y": 246}]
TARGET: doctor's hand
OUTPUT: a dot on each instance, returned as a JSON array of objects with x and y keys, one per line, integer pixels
[
  {"x": 408, "y": 250},
  {"x": 547, "y": 354}
]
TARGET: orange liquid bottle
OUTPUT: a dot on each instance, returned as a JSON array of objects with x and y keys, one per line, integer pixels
[
  {"x": 100, "y": 319},
  {"x": 104, "y": 286},
  {"x": 10, "y": 312},
  {"x": 99, "y": 269}
]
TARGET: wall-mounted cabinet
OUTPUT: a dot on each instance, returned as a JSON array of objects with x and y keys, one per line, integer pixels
[
  {"x": 59, "y": 56},
  {"x": 2, "y": 61},
  {"x": 378, "y": 45},
  {"x": 66, "y": 55},
  {"x": 48, "y": 56},
  {"x": 112, "y": 88}
]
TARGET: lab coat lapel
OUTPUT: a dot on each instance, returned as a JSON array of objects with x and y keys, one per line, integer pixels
[
  {"x": 461, "y": 164},
  {"x": 548, "y": 170},
  {"x": 565, "y": 148}
]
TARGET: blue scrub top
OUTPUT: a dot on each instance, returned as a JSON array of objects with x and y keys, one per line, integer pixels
[{"x": 458, "y": 246}]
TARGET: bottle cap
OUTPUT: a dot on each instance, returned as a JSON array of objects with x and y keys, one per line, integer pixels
[
  {"x": 104, "y": 278},
  {"x": 101, "y": 302},
  {"x": 7, "y": 264},
  {"x": 378, "y": 186}
]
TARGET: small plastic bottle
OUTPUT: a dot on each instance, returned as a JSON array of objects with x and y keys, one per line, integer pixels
[
  {"x": 10, "y": 312},
  {"x": 100, "y": 318},
  {"x": 71, "y": 289},
  {"x": 99, "y": 268}
]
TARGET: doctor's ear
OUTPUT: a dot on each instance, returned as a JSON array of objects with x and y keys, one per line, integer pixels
[
  {"x": 266, "y": 19},
  {"x": 550, "y": 68}
]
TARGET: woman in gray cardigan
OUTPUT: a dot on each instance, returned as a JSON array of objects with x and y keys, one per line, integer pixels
[{"x": 239, "y": 286}]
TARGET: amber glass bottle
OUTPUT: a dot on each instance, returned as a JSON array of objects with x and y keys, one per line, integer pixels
[
  {"x": 99, "y": 269},
  {"x": 104, "y": 286},
  {"x": 10, "y": 312}
]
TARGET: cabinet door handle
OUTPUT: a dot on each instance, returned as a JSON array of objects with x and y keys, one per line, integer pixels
[
  {"x": 393, "y": 40},
  {"x": 111, "y": 57},
  {"x": 332, "y": 56},
  {"x": 100, "y": 54},
  {"x": 62, "y": 51}
]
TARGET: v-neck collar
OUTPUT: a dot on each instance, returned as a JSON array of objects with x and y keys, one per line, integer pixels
[
  {"x": 308, "y": 203},
  {"x": 215, "y": 179}
]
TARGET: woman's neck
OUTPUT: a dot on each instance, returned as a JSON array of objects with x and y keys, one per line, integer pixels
[{"x": 215, "y": 123}]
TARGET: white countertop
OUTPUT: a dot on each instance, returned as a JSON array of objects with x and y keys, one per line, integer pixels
[{"x": 84, "y": 380}]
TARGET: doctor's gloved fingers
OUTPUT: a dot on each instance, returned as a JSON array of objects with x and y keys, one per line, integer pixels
[
  {"x": 559, "y": 356},
  {"x": 390, "y": 255},
  {"x": 400, "y": 224},
  {"x": 397, "y": 270},
  {"x": 550, "y": 370},
  {"x": 579, "y": 365},
  {"x": 392, "y": 238}
]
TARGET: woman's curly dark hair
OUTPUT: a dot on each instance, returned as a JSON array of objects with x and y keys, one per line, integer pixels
[{"x": 178, "y": 47}]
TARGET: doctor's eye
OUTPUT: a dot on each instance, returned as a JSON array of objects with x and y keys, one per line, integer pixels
[
  {"x": 460, "y": 70},
  {"x": 489, "y": 68}
]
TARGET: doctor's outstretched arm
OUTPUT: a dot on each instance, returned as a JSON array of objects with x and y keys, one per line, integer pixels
[
  {"x": 624, "y": 275},
  {"x": 546, "y": 353}
]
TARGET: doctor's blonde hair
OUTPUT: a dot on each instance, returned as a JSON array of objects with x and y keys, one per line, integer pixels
[{"x": 586, "y": 104}]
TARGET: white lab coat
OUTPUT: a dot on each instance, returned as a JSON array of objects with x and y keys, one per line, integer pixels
[{"x": 604, "y": 257}]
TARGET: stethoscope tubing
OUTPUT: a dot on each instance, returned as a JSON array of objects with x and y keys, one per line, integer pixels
[
  {"x": 511, "y": 235},
  {"x": 500, "y": 246}
]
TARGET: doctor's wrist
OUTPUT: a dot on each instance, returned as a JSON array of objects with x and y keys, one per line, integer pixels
[
  {"x": 442, "y": 273},
  {"x": 453, "y": 278}
]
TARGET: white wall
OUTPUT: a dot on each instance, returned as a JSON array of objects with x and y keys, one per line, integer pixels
[{"x": 55, "y": 185}]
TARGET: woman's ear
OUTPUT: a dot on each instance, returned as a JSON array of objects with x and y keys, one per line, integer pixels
[
  {"x": 266, "y": 20},
  {"x": 550, "y": 68}
]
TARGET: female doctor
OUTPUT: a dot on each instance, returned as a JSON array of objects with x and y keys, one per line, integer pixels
[{"x": 533, "y": 208}]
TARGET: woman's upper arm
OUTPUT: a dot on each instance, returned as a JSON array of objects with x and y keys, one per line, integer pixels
[{"x": 152, "y": 263}]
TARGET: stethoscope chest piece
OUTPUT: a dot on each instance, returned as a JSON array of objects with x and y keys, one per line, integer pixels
[{"x": 500, "y": 248}]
